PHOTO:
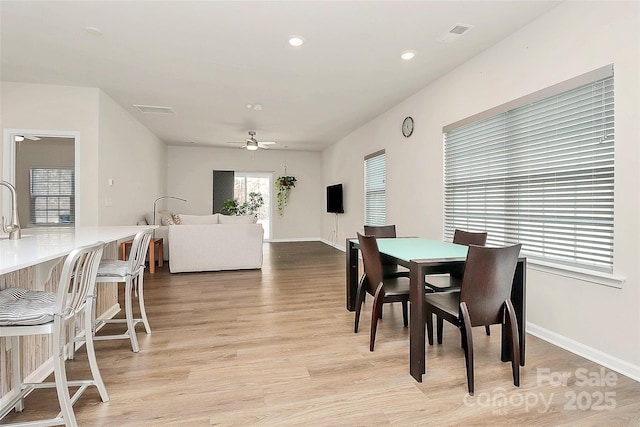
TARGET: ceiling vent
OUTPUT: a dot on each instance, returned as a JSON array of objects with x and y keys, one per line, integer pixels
[
  {"x": 150, "y": 109},
  {"x": 454, "y": 33}
]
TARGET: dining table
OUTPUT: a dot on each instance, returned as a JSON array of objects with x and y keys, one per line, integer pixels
[{"x": 425, "y": 256}]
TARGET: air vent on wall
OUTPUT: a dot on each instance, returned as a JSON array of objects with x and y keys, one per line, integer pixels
[
  {"x": 454, "y": 33},
  {"x": 150, "y": 109}
]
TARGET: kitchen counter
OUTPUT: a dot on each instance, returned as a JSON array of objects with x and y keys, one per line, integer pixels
[{"x": 39, "y": 245}]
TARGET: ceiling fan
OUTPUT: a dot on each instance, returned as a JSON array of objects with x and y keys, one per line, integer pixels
[
  {"x": 20, "y": 138},
  {"x": 252, "y": 143}
]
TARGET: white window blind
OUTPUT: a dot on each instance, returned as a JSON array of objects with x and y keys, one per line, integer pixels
[
  {"x": 52, "y": 196},
  {"x": 541, "y": 174},
  {"x": 375, "y": 182}
]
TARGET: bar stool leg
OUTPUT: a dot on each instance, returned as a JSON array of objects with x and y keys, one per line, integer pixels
[
  {"x": 129, "y": 314},
  {"x": 16, "y": 370},
  {"x": 62, "y": 387},
  {"x": 143, "y": 312},
  {"x": 91, "y": 352}
]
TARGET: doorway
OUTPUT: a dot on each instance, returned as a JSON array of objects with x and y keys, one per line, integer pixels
[
  {"x": 42, "y": 166},
  {"x": 248, "y": 182}
]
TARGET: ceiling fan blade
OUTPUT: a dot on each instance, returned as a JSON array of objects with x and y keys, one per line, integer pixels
[
  {"x": 32, "y": 138},
  {"x": 267, "y": 142}
]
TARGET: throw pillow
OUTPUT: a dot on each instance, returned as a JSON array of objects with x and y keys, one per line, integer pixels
[{"x": 176, "y": 219}]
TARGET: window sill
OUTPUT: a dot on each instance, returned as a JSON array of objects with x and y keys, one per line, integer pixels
[{"x": 597, "y": 277}]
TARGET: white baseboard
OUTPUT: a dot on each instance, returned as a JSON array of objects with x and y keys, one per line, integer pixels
[{"x": 621, "y": 366}]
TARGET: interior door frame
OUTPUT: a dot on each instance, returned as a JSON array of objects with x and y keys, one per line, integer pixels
[{"x": 9, "y": 162}]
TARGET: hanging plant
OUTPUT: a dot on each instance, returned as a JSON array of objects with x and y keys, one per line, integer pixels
[{"x": 284, "y": 184}]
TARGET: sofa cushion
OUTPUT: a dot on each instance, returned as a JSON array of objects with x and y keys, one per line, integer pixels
[
  {"x": 238, "y": 219},
  {"x": 198, "y": 219}
]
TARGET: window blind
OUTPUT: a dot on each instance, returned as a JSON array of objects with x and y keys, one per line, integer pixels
[
  {"x": 375, "y": 181},
  {"x": 541, "y": 174},
  {"x": 52, "y": 196}
]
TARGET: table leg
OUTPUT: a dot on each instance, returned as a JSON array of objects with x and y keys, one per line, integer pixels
[
  {"x": 152, "y": 257},
  {"x": 352, "y": 274},
  {"x": 160, "y": 252},
  {"x": 417, "y": 361}
]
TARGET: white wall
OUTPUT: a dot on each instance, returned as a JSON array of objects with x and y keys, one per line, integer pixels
[
  {"x": 60, "y": 108},
  {"x": 600, "y": 322},
  {"x": 112, "y": 145},
  {"x": 190, "y": 175},
  {"x": 134, "y": 158}
]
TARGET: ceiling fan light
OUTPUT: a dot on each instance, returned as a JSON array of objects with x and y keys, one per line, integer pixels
[
  {"x": 19, "y": 138},
  {"x": 252, "y": 145}
]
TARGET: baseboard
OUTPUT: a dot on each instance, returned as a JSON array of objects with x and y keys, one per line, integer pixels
[
  {"x": 621, "y": 366},
  {"x": 334, "y": 244},
  {"x": 297, "y": 239}
]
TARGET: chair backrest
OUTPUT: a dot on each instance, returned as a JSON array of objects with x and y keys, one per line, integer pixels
[
  {"x": 78, "y": 278},
  {"x": 139, "y": 249},
  {"x": 467, "y": 238},
  {"x": 488, "y": 276},
  {"x": 462, "y": 237},
  {"x": 380, "y": 230},
  {"x": 371, "y": 261}
]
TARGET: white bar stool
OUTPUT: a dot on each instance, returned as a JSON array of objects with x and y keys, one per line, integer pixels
[
  {"x": 24, "y": 312},
  {"x": 131, "y": 272}
]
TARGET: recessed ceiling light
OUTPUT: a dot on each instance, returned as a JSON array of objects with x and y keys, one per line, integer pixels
[
  {"x": 296, "y": 41},
  {"x": 94, "y": 31},
  {"x": 407, "y": 55}
]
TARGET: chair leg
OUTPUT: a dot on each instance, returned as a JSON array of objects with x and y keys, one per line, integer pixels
[
  {"x": 143, "y": 312},
  {"x": 359, "y": 302},
  {"x": 440, "y": 324},
  {"x": 377, "y": 308},
  {"x": 60, "y": 374},
  {"x": 429, "y": 321},
  {"x": 466, "y": 331},
  {"x": 16, "y": 370},
  {"x": 515, "y": 342},
  {"x": 129, "y": 315},
  {"x": 405, "y": 313},
  {"x": 91, "y": 355},
  {"x": 487, "y": 329}
]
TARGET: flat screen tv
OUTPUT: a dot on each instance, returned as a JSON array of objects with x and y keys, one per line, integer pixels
[{"x": 334, "y": 199}]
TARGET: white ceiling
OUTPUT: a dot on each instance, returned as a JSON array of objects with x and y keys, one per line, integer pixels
[{"x": 208, "y": 59}]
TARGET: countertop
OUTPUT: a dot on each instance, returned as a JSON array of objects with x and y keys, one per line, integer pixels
[{"x": 39, "y": 245}]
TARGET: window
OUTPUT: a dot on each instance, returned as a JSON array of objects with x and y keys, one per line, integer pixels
[
  {"x": 375, "y": 181},
  {"x": 52, "y": 196},
  {"x": 540, "y": 173}
]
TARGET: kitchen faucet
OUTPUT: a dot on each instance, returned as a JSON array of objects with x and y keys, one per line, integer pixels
[{"x": 14, "y": 227}]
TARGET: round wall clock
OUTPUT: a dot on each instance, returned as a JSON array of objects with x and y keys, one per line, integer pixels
[{"x": 407, "y": 126}]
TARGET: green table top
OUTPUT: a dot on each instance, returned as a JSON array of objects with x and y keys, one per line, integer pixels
[{"x": 414, "y": 248}]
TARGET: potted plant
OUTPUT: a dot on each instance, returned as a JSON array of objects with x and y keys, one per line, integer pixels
[
  {"x": 283, "y": 185},
  {"x": 250, "y": 207}
]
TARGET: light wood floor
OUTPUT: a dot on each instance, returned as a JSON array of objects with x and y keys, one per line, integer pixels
[{"x": 276, "y": 348}]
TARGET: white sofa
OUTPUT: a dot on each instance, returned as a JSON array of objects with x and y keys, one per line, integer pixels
[{"x": 214, "y": 242}]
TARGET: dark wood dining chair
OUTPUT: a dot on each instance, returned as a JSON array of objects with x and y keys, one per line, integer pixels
[
  {"x": 484, "y": 299},
  {"x": 384, "y": 290},
  {"x": 389, "y": 268},
  {"x": 452, "y": 281}
]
